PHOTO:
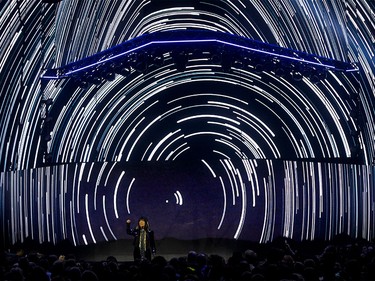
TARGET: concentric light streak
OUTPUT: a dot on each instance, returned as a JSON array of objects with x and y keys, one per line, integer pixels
[
  {"x": 133, "y": 120},
  {"x": 179, "y": 199},
  {"x": 88, "y": 218},
  {"x": 224, "y": 204},
  {"x": 320, "y": 184},
  {"x": 236, "y": 142}
]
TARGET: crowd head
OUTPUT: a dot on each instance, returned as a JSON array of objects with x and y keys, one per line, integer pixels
[{"x": 283, "y": 259}]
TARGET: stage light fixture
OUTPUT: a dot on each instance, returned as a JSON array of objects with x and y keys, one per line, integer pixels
[
  {"x": 280, "y": 71},
  {"x": 314, "y": 74},
  {"x": 259, "y": 67},
  {"x": 122, "y": 68},
  {"x": 196, "y": 53},
  {"x": 139, "y": 62},
  {"x": 125, "y": 71},
  {"x": 238, "y": 64},
  {"x": 314, "y": 78},
  {"x": 180, "y": 59},
  {"x": 226, "y": 61},
  {"x": 158, "y": 59},
  {"x": 297, "y": 75},
  {"x": 108, "y": 74},
  {"x": 83, "y": 84},
  {"x": 96, "y": 80},
  {"x": 215, "y": 58},
  {"x": 140, "y": 66}
]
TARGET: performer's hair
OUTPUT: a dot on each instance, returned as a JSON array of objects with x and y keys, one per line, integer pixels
[{"x": 147, "y": 224}]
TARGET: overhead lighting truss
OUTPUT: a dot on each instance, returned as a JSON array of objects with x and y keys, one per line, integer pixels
[{"x": 180, "y": 45}]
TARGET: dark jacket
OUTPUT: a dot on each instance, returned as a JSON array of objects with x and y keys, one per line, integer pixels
[{"x": 150, "y": 242}]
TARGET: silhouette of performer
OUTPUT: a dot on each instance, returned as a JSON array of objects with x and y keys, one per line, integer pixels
[{"x": 144, "y": 242}]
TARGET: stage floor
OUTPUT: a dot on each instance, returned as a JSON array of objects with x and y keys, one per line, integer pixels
[{"x": 122, "y": 250}]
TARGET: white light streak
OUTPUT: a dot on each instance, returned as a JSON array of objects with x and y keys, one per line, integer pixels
[
  {"x": 88, "y": 218},
  {"x": 116, "y": 192},
  {"x": 209, "y": 168},
  {"x": 224, "y": 203},
  {"x": 128, "y": 195}
]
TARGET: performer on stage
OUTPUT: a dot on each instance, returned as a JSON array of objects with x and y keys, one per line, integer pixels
[{"x": 144, "y": 242}]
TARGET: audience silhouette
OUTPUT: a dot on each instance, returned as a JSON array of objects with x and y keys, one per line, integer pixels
[{"x": 284, "y": 259}]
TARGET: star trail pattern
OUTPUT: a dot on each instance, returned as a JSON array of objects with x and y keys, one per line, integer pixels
[
  {"x": 90, "y": 202},
  {"x": 239, "y": 153}
]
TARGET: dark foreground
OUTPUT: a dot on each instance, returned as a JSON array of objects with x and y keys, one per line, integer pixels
[{"x": 283, "y": 259}]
